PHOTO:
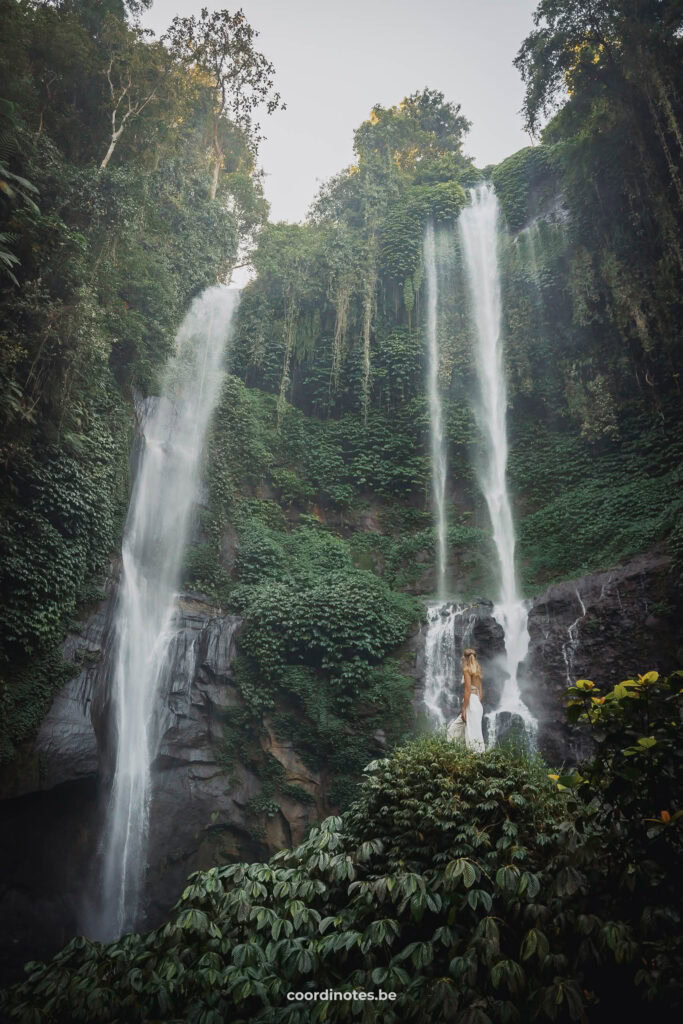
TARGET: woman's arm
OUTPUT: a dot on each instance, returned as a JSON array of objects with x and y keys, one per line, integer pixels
[{"x": 468, "y": 690}]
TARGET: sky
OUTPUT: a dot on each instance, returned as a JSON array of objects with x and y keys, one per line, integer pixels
[{"x": 335, "y": 59}]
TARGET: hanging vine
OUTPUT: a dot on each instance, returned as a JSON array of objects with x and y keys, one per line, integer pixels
[
  {"x": 368, "y": 313},
  {"x": 342, "y": 303},
  {"x": 289, "y": 335},
  {"x": 673, "y": 171},
  {"x": 665, "y": 104}
]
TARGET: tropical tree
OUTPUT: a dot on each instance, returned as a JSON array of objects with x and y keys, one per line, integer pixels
[
  {"x": 589, "y": 49},
  {"x": 135, "y": 72},
  {"x": 220, "y": 46},
  {"x": 13, "y": 187}
]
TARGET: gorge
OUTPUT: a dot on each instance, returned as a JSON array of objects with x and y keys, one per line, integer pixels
[{"x": 247, "y": 535}]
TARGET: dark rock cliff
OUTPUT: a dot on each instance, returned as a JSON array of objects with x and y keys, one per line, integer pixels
[
  {"x": 606, "y": 626},
  {"x": 50, "y": 799}
]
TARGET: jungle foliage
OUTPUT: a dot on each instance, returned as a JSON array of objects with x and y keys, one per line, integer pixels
[
  {"x": 101, "y": 252},
  {"x": 591, "y": 272},
  {"x": 474, "y": 887},
  {"x": 330, "y": 433}
]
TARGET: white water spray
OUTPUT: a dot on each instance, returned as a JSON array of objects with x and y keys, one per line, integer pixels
[
  {"x": 166, "y": 488},
  {"x": 438, "y": 450},
  {"x": 479, "y": 233}
]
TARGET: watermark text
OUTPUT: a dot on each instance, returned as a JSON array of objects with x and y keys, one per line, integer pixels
[{"x": 329, "y": 995}]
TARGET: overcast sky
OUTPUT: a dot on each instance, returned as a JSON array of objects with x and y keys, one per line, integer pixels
[{"x": 334, "y": 59}]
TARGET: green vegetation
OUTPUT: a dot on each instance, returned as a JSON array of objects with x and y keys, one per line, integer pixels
[
  {"x": 519, "y": 182},
  {"x": 474, "y": 887},
  {"x": 318, "y": 468},
  {"x": 322, "y": 432},
  {"x": 591, "y": 268},
  {"x": 105, "y": 239}
]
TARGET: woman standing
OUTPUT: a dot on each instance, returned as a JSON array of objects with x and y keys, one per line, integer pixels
[{"x": 472, "y": 710}]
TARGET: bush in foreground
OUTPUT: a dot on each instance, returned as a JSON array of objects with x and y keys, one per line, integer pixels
[{"x": 471, "y": 886}]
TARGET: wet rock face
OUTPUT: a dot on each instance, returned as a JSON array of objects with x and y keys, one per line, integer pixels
[
  {"x": 65, "y": 748},
  {"x": 606, "y": 626},
  {"x": 45, "y": 855},
  {"x": 200, "y": 812}
]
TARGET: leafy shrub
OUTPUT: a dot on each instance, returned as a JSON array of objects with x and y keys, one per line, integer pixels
[
  {"x": 457, "y": 881},
  {"x": 343, "y": 623},
  {"x": 632, "y": 788},
  {"x": 518, "y": 181}
]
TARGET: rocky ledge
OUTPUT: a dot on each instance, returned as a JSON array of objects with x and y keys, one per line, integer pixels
[{"x": 605, "y": 626}]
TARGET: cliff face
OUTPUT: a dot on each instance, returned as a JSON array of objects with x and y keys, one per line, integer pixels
[
  {"x": 606, "y": 626},
  {"x": 202, "y": 809}
]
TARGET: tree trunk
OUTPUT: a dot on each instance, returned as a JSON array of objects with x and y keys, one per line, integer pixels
[
  {"x": 214, "y": 179},
  {"x": 115, "y": 136},
  {"x": 368, "y": 310},
  {"x": 107, "y": 157},
  {"x": 673, "y": 171},
  {"x": 290, "y": 325},
  {"x": 218, "y": 158}
]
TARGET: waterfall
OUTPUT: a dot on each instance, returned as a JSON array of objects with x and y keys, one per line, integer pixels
[
  {"x": 479, "y": 234},
  {"x": 438, "y": 450},
  {"x": 530, "y": 239},
  {"x": 449, "y": 630},
  {"x": 166, "y": 488},
  {"x": 440, "y": 652},
  {"x": 571, "y": 646},
  {"x": 440, "y": 659}
]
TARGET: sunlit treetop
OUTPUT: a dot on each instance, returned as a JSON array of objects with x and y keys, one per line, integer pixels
[
  {"x": 580, "y": 47},
  {"x": 423, "y": 126}
]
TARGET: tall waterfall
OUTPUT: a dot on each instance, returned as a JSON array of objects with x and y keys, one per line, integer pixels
[
  {"x": 438, "y": 450},
  {"x": 166, "y": 487},
  {"x": 479, "y": 234}
]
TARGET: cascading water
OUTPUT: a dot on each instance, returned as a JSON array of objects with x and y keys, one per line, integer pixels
[
  {"x": 571, "y": 646},
  {"x": 440, "y": 660},
  {"x": 530, "y": 240},
  {"x": 166, "y": 487},
  {"x": 440, "y": 652},
  {"x": 449, "y": 630},
  {"x": 479, "y": 234},
  {"x": 438, "y": 450}
]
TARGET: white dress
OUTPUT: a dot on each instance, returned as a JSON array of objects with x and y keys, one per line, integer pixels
[
  {"x": 456, "y": 730},
  {"x": 474, "y": 739}
]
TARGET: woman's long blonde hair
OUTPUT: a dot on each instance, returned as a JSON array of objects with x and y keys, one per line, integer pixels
[{"x": 469, "y": 662}]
